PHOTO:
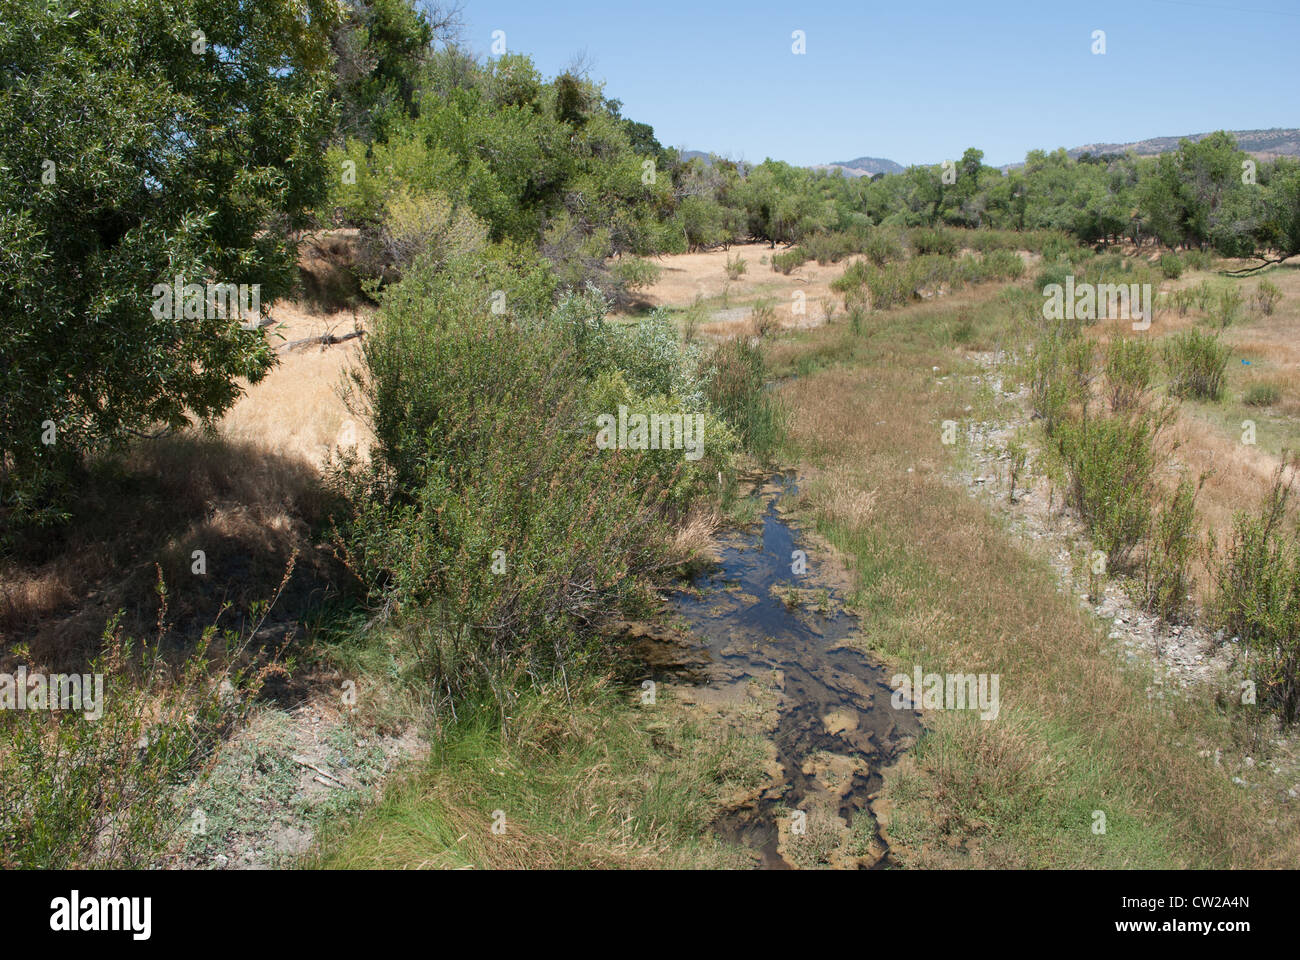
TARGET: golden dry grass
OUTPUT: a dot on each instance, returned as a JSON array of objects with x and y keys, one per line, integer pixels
[
  {"x": 690, "y": 276},
  {"x": 298, "y": 409},
  {"x": 247, "y": 508}
]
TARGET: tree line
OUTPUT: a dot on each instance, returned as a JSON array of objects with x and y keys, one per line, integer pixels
[{"x": 142, "y": 141}]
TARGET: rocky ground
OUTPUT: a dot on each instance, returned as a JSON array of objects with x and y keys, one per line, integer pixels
[{"x": 284, "y": 776}]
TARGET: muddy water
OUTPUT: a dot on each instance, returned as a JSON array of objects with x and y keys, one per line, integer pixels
[{"x": 836, "y": 727}]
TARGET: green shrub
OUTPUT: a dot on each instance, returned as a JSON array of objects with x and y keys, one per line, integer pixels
[
  {"x": 884, "y": 246},
  {"x": 635, "y": 273},
  {"x": 1055, "y": 246},
  {"x": 1266, "y": 297},
  {"x": 1003, "y": 265},
  {"x": 489, "y": 519},
  {"x": 829, "y": 247},
  {"x": 736, "y": 380},
  {"x": 962, "y": 330},
  {"x": 788, "y": 260},
  {"x": 1226, "y": 307},
  {"x": 736, "y": 266},
  {"x": 1196, "y": 362},
  {"x": 1262, "y": 394},
  {"x": 926, "y": 240},
  {"x": 1052, "y": 273},
  {"x": 1257, "y": 596},
  {"x": 1130, "y": 365},
  {"x": 77, "y": 792},
  {"x": 763, "y": 318},
  {"x": 1110, "y": 465},
  {"x": 1058, "y": 371},
  {"x": 1166, "y": 580},
  {"x": 1171, "y": 266},
  {"x": 891, "y": 285}
]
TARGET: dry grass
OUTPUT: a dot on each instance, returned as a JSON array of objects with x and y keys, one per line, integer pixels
[
  {"x": 248, "y": 509},
  {"x": 684, "y": 278},
  {"x": 297, "y": 409}
]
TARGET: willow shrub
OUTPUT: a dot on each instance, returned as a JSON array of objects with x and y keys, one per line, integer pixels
[
  {"x": 487, "y": 511},
  {"x": 1257, "y": 596}
]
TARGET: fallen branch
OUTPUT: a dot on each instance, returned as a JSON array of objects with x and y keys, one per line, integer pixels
[
  {"x": 325, "y": 340},
  {"x": 325, "y": 773},
  {"x": 1247, "y": 271}
]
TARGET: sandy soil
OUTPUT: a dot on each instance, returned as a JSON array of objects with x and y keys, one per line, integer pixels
[{"x": 690, "y": 276}]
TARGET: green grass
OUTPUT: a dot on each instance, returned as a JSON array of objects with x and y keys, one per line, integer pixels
[{"x": 589, "y": 783}]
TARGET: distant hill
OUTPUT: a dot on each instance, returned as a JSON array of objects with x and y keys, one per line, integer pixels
[
  {"x": 707, "y": 159},
  {"x": 1260, "y": 144},
  {"x": 1264, "y": 144},
  {"x": 862, "y": 166}
]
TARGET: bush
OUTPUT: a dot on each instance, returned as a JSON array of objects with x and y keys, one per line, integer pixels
[
  {"x": 1225, "y": 308},
  {"x": 788, "y": 260},
  {"x": 1003, "y": 265},
  {"x": 763, "y": 318},
  {"x": 1262, "y": 394},
  {"x": 1257, "y": 596},
  {"x": 1059, "y": 370},
  {"x": 1171, "y": 266},
  {"x": 926, "y": 240},
  {"x": 1196, "y": 362},
  {"x": 735, "y": 266},
  {"x": 736, "y": 381},
  {"x": 104, "y": 793},
  {"x": 1167, "y": 560},
  {"x": 421, "y": 226},
  {"x": 891, "y": 285},
  {"x": 488, "y": 516},
  {"x": 1056, "y": 245},
  {"x": 884, "y": 246},
  {"x": 1052, "y": 273},
  {"x": 635, "y": 273},
  {"x": 1129, "y": 368},
  {"x": 832, "y": 246},
  {"x": 1110, "y": 466},
  {"x": 1266, "y": 298}
]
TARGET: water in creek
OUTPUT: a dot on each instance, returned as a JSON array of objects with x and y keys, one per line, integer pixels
[{"x": 755, "y": 618}]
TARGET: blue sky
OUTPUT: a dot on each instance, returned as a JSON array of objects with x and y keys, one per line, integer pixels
[{"x": 921, "y": 80}]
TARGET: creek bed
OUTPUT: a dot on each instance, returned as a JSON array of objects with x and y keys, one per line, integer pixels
[{"x": 754, "y": 618}]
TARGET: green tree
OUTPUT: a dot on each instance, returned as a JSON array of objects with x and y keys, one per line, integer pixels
[
  {"x": 140, "y": 141},
  {"x": 381, "y": 48}
]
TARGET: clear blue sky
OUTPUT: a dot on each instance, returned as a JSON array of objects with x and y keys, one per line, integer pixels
[{"x": 917, "y": 81}]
